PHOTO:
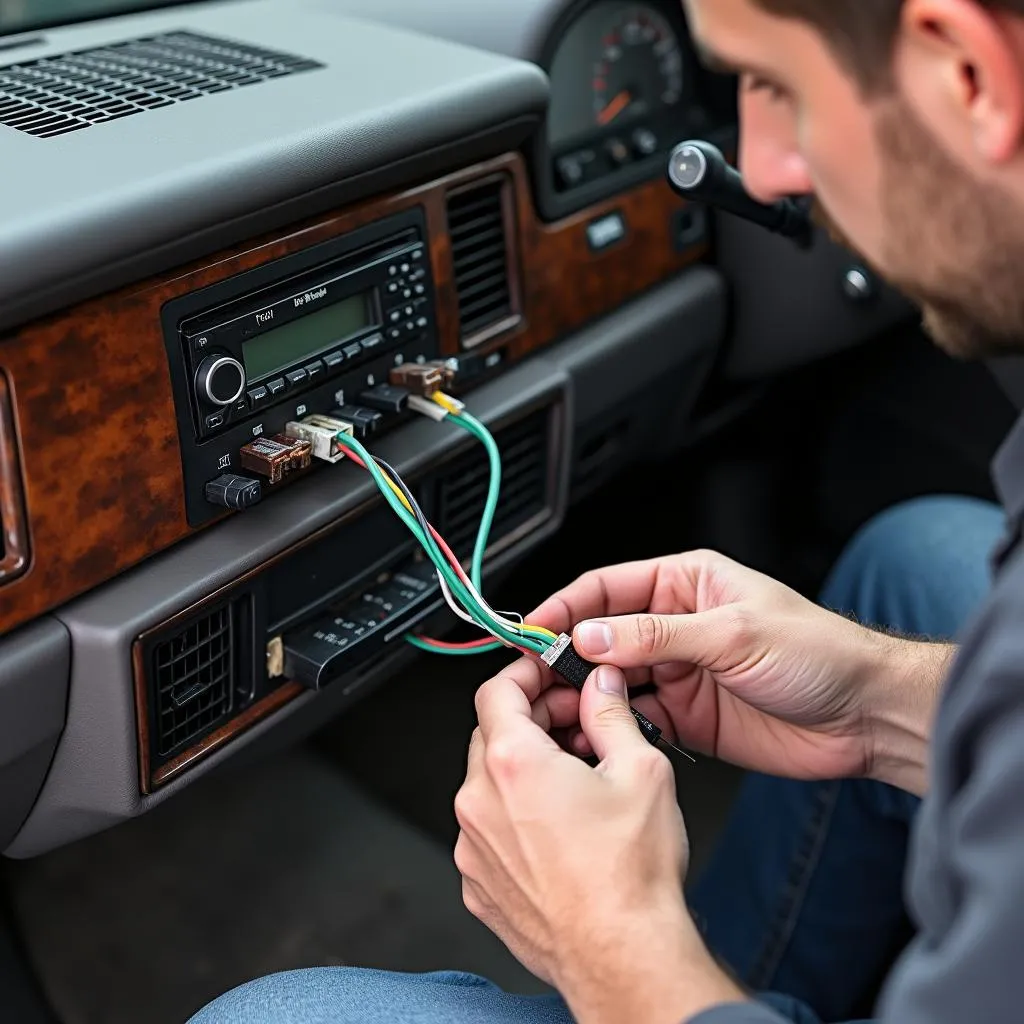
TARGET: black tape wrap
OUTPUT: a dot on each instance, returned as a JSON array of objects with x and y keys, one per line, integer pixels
[{"x": 575, "y": 671}]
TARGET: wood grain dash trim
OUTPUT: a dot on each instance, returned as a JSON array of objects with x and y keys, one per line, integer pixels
[{"x": 13, "y": 520}]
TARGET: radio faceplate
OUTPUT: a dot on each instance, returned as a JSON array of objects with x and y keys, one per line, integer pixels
[{"x": 298, "y": 336}]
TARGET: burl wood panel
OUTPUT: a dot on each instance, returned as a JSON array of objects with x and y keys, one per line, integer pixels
[
  {"x": 98, "y": 436},
  {"x": 14, "y": 544}
]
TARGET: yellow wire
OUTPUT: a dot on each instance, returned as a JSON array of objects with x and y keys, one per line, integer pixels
[{"x": 446, "y": 403}]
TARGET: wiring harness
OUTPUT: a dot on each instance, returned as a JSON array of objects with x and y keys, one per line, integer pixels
[{"x": 463, "y": 591}]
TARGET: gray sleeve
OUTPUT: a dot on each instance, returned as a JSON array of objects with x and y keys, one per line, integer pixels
[
  {"x": 738, "y": 1013},
  {"x": 967, "y": 885}
]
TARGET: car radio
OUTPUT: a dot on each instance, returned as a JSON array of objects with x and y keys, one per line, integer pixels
[{"x": 303, "y": 335}]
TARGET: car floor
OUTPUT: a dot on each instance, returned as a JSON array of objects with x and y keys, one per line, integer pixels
[{"x": 302, "y": 859}]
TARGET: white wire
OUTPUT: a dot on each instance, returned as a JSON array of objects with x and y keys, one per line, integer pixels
[{"x": 455, "y": 607}]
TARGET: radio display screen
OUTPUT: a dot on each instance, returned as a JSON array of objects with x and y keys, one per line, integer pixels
[{"x": 283, "y": 346}]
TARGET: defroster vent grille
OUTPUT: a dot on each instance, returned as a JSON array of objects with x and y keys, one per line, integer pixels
[
  {"x": 193, "y": 676},
  {"x": 525, "y": 491},
  {"x": 480, "y": 253},
  {"x": 72, "y": 91}
]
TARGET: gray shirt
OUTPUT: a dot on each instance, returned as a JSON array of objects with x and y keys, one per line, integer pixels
[{"x": 965, "y": 879}]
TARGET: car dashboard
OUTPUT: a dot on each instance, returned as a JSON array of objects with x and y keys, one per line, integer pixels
[{"x": 221, "y": 220}]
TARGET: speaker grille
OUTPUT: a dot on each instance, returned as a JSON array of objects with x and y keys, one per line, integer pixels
[
  {"x": 56, "y": 95},
  {"x": 194, "y": 673}
]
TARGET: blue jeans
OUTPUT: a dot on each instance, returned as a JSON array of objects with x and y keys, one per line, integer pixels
[{"x": 813, "y": 908}]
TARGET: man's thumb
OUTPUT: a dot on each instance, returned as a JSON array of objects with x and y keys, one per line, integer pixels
[{"x": 605, "y": 716}]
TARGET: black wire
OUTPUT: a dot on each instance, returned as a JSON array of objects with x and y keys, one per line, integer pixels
[{"x": 408, "y": 495}]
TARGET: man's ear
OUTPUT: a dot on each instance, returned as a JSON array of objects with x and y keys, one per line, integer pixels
[{"x": 961, "y": 64}]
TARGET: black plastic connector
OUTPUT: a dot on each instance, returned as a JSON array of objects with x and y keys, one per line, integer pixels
[{"x": 576, "y": 670}]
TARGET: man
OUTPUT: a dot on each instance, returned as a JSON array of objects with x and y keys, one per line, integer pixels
[{"x": 905, "y": 118}]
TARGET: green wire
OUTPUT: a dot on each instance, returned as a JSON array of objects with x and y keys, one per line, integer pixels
[
  {"x": 436, "y": 556},
  {"x": 478, "y": 430},
  {"x": 453, "y": 652},
  {"x": 470, "y": 423}
]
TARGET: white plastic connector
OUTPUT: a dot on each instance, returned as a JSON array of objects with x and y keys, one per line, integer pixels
[
  {"x": 323, "y": 439},
  {"x": 556, "y": 650},
  {"x": 331, "y": 423},
  {"x": 425, "y": 407}
]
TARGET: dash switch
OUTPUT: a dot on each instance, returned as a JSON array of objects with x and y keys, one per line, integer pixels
[
  {"x": 385, "y": 398},
  {"x": 237, "y": 492}
]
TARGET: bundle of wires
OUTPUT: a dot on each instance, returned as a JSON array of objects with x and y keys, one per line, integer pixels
[{"x": 461, "y": 591}]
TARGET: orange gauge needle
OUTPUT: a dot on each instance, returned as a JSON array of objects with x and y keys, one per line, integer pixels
[{"x": 615, "y": 107}]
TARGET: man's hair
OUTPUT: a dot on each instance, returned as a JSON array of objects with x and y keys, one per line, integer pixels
[{"x": 862, "y": 33}]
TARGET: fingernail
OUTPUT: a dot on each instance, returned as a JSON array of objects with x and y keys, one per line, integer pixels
[
  {"x": 611, "y": 680},
  {"x": 594, "y": 637}
]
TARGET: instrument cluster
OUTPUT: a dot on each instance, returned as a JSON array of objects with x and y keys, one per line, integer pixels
[{"x": 626, "y": 86}]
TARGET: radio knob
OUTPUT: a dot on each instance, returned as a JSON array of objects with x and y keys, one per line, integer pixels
[{"x": 220, "y": 380}]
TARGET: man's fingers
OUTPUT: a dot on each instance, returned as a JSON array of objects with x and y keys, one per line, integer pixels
[
  {"x": 508, "y": 730},
  {"x": 559, "y": 708},
  {"x": 605, "y": 716},
  {"x": 702, "y": 638},
  {"x": 611, "y": 591}
]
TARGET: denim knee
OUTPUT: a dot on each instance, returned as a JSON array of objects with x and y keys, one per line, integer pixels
[{"x": 921, "y": 567}]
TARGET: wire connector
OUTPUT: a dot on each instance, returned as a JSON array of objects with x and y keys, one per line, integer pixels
[
  {"x": 556, "y": 650},
  {"x": 425, "y": 407},
  {"x": 562, "y": 658}
]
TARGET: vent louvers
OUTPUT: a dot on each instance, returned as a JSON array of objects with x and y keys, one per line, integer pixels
[
  {"x": 56, "y": 95},
  {"x": 480, "y": 254},
  {"x": 193, "y": 678},
  {"x": 525, "y": 463}
]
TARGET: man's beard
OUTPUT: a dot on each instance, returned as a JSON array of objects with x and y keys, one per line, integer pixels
[{"x": 952, "y": 246}]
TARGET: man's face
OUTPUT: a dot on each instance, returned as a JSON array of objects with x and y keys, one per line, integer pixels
[{"x": 943, "y": 230}]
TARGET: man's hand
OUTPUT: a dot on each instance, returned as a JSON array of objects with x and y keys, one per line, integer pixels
[
  {"x": 580, "y": 870},
  {"x": 751, "y": 672}
]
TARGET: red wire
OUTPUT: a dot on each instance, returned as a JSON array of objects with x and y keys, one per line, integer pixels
[
  {"x": 457, "y": 566},
  {"x": 453, "y": 647}
]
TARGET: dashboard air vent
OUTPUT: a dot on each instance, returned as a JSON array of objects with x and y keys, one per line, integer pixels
[
  {"x": 72, "y": 91},
  {"x": 480, "y": 253},
  {"x": 525, "y": 491},
  {"x": 193, "y": 675}
]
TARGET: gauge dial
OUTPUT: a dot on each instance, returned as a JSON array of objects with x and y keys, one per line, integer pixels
[{"x": 639, "y": 69}]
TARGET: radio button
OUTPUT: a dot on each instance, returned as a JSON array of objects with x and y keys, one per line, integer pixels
[
  {"x": 241, "y": 408},
  {"x": 393, "y": 287},
  {"x": 393, "y": 270},
  {"x": 220, "y": 380},
  {"x": 420, "y": 289},
  {"x": 417, "y": 255},
  {"x": 372, "y": 342},
  {"x": 314, "y": 369},
  {"x": 421, "y": 323},
  {"x": 353, "y": 351},
  {"x": 296, "y": 377},
  {"x": 405, "y": 268},
  {"x": 395, "y": 315},
  {"x": 394, "y": 333},
  {"x": 258, "y": 397},
  {"x": 214, "y": 421},
  {"x": 276, "y": 387},
  {"x": 418, "y": 274},
  {"x": 200, "y": 345},
  {"x": 333, "y": 360}
]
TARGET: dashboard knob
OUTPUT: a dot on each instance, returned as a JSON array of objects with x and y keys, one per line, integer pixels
[
  {"x": 858, "y": 284},
  {"x": 220, "y": 380}
]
